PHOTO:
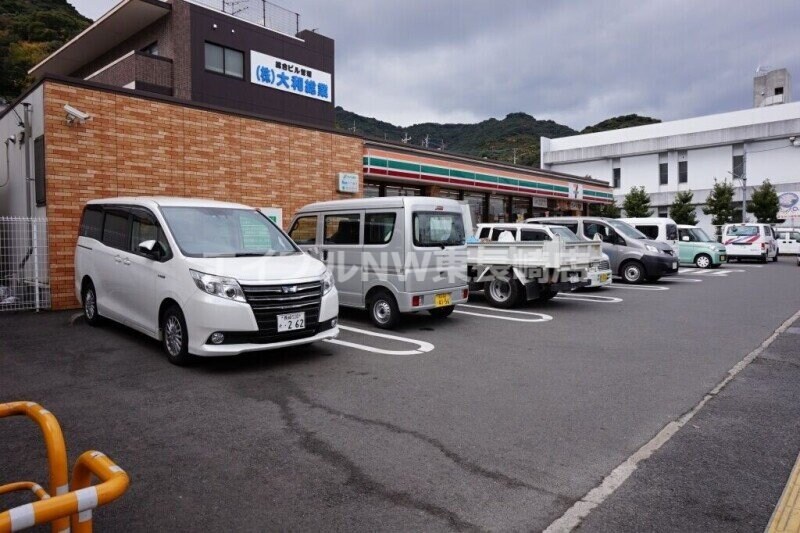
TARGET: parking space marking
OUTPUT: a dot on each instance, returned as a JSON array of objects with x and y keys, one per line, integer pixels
[
  {"x": 422, "y": 346},
  {"x": 541, "y": 316},
  {"x": 636, "y": 287},
  {"x": 740, "y": 264},
  {"x": 720, "y": 273},
  {"x": 683, "y": 280},
  {"x": 589, "y": 298}
]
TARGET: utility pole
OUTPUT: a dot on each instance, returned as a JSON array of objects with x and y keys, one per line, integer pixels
[
  {"x": 405, "y": 138},
  {"x": 743, "y": 178},
  {"x": 515, "y": 156}
]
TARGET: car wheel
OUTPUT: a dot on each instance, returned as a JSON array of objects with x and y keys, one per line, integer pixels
[
  {"x": 633, "y": 272},
  {"x": 502, "y": 293},
  {"x": 383, "y": 310},
  {"x": 442, "y": 312},
  {"x": 702, "y": 261},
  {"x": 175, "y": 336},
  {"x": 90, "y": 312},
  {"x": 763, "y": 258}
]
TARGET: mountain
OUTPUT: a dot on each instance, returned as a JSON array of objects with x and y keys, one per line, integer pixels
[
  {"x": 622, "y": 121},
  {"x": 29, "y": 31},
  {"x": 517, "y": 135}
]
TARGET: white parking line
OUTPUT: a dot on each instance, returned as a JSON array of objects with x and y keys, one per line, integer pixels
[
  {"x": 589, "y": 298},
  {"x": 423, "y": 347},
  {"x": 684, "y": 280},
  {"x": 720, "y": 272},
  {"x": 541, "y": 316},
  {"x": 740, "y": 264},
  {"x": 636, "y": 287}
]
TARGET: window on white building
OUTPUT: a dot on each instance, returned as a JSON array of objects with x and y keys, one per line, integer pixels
[
  {"x": 663, "y": 173},
  {"x": 617, "y": 178},
  {"x": 683, "y": 171}
]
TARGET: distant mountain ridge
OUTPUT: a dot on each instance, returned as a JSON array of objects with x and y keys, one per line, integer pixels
[{"x": 514, "y": 138}]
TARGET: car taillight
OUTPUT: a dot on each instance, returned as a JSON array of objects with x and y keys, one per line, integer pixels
[
  {"x": 465, "y": 294},
  {"x": 763, "y": 246},
  {"x": 416, "y": 301}
]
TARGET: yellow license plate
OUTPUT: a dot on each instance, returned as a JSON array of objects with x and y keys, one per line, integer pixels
[
  {"x": 603, "y": 278},
  {"x": 441, "y": 300}
]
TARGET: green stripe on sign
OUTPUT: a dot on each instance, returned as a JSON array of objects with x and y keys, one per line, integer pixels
[
  {"x": 560, "y": 188},
  {"x": 365, "y": 160},
  {"x": 402, "y": 165},
  {"x": 427, "y": 169},
  {"x": 486, "y": 178},
  {"x": 377, "y": 162},
  {"x": 462, "y": 174},
  {"x": 509, "y": 181}
]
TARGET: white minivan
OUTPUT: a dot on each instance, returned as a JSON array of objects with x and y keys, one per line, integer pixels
[
  {"x": 788, "y": 240},
  {"x": 659, "y": 229},
  {"x": 750, "y": 241},
  {"x": 206, "y": 278},
  {"x": 390, "y": 255}
]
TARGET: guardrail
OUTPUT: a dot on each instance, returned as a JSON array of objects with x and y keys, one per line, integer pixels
[{"x": 67, "y": 507}]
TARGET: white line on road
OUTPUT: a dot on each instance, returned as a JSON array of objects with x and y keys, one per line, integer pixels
[
  {"x": 581, "y": 509},
  {"x": 541, "y": 317},
  {"x": 589, "y": 298},
  {"x": 423, "y": 346},
  {"x": 684, "y": 280},
  {"x": 739, "y": 264},
  {"x": 720, "y": 273},
  {"x": 636, "y": 287}
]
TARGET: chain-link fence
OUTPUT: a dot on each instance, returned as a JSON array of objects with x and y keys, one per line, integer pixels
[
  {"x": 258, "y": 12},
  {"x": 24, "y": 278}
]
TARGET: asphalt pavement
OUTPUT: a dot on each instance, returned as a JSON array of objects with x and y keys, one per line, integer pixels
[{"x": 487, "y": 420}]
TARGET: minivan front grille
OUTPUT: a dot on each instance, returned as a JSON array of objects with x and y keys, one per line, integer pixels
[{"x": 269, "y": 301}]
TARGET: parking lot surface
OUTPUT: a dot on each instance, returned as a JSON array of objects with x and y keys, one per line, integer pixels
[{"x": 488, "y": 420}]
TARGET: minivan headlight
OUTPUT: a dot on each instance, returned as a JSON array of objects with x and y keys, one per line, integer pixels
[
  {"x": 218, "y": 286},
  {"x": 652, "y": 248},
  {"x": 327, "y": 282}
]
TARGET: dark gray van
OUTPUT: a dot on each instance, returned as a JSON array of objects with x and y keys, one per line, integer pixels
[{"x": 633, "y": 256}]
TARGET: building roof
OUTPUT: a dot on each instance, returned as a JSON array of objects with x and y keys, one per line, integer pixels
[{"x": 124, "y": 20}]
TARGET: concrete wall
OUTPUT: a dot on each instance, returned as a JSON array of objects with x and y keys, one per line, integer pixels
[{"x": 139, "y": 146}]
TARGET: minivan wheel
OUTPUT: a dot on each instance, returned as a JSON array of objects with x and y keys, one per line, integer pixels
[
  {"x": 175, "y": 336},
  {"x": 702, "y": 261},
  {"x": 90, "y": 312},
  {"x": 383, "y": 310},
  {"x": 633, "y": 272},
  {"x": 502, "y": 293},
  {"x": 442, "y": 312}
]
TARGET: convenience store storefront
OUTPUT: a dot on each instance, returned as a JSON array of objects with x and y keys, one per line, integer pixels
[{"x": 495, "y": 192}]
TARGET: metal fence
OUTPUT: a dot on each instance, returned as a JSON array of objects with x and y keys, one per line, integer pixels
[
  {"x": 24, "y": 272},
  {"x": 258, "y": 12}
]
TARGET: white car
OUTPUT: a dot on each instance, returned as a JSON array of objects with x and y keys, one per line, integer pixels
[
  {"x": 206, "y": 278},
  {"x": 600, "y": 273},
  {"x": 750, "y": 241}
]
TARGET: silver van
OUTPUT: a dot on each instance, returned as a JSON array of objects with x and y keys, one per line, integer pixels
[
  {"x": 389, "y": 255},
  {"x": 633, "y": 256}
]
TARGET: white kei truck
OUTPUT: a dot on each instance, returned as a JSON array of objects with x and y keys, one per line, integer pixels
[{"x": 515, "y": 263}]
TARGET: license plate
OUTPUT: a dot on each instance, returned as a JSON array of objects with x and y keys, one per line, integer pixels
[
  {"x": 603, "y": 278},
  {"x": 574, "y": 279},
  {"x": 291, "y": 322},
  {"x": 674, "y": 266},
  {"x": 441, "y": 300},
  {"x": 722, "y": 258}
]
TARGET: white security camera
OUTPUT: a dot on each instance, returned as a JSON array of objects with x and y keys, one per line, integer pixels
[{"x": 74, "y": 115}]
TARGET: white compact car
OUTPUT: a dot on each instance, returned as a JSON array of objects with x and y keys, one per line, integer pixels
[
  {"x": 206, "y": 278},
  {"x": 750, "y": 241}
]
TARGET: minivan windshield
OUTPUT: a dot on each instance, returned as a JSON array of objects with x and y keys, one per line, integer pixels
[
  {"x": 226, "y": 232},
  {"x": 565, "y": 234},
  {"x": 626, "y": 229},
  {"x": 438, "y": 228}
]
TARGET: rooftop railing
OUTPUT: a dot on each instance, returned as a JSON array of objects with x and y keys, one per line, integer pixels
[{"x": 259, "y": 12}]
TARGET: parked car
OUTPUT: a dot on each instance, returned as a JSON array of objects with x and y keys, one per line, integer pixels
[
  {"x": 698, "y": 248},
  {"x": 657, "y": 229},
  {"x": 634, "y": 257},
  {"x": 389, "y": 255},
  {"x": 788, "y": 240},
  {"x": 206, "y": 278},
  {"x": 515, "y": 263},
  {"x": 750, "y": 241}
]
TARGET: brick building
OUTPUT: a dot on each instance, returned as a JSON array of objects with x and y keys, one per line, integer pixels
[{"x": 142, "y": 103}]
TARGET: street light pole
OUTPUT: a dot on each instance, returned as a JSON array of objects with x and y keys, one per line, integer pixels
[{"x": 743, "y": 178}]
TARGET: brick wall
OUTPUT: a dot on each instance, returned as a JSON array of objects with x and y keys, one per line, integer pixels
[{"x": 137, "y": 146}]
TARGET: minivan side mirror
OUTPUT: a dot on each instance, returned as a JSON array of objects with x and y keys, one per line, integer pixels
[
  {"x": 151, "y": 249},
  {"x": 685, "y": 238},
  {"x": 313, "y": 251}
]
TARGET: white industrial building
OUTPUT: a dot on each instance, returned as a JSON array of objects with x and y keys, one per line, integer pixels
[{"x": 755, "y": 144}]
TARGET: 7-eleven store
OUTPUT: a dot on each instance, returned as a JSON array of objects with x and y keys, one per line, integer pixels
[{"x": 496, "y": 192}]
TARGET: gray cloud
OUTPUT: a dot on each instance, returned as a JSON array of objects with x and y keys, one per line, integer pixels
[{"x": 411, "y": 61}]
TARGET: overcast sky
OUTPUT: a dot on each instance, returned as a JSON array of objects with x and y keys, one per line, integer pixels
[{"x": 576, "y": 62}]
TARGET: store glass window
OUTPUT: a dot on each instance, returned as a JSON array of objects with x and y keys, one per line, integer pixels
[
  {"x": 372, "y": 190},
  {"x": 520, "y": 209},
  {"x": 477, "y": 203},
  {"x": 498, "y": 208},
  {"x": 403, "y": 190},
  {"x": 449, "y": 193}
]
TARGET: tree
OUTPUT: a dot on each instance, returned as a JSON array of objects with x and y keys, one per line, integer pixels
[
  {"x": 764, "y": 203},
  {"x": 682, "y": 210},
  {"x": 605, "y": 210},
  {"x": 719, "y": 203},
  {"x": 637, "y": 203}
]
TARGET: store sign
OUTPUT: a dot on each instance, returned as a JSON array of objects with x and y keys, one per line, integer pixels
[
  {"x": 348, "y": 182},
  {"x": 289, "y": 77},
  {"x": 789, "y": 203},
  {"x": 576, "y": 191},
  {"x": 539, "y": 202}
]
